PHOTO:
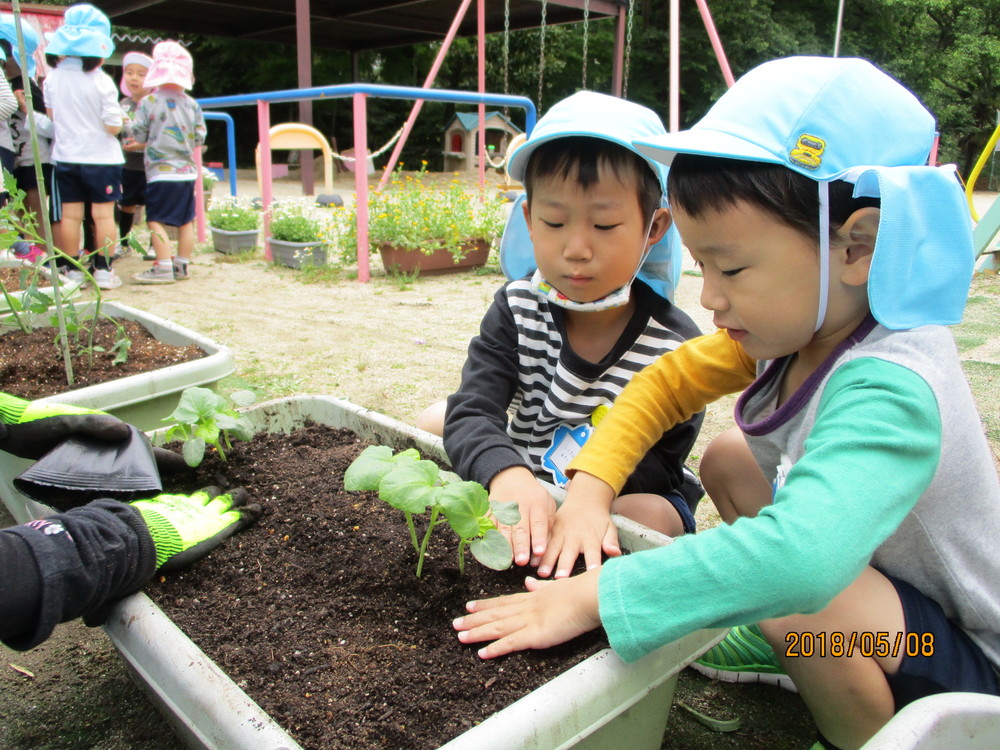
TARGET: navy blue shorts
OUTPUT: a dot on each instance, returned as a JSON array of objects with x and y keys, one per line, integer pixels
[
  {"x": 133, "y": 187},
  {"x": 170, "y": 202},
  {"x": 25, "y": 176},
  {"x": 948, "y": 661},
  {"x": 677, "y": 500},
  {"x": 6, "y": 161},
  {"x": 89, "y": 183}
]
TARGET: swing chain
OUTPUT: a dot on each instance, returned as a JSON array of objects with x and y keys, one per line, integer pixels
[
  {"x": 586, "y": 35},
  {"x": 506, "y": 55},
  {"x": 541, "y": 55},
  {"x": 628, "y": 49},
  {"x": 372, "y": 155}
]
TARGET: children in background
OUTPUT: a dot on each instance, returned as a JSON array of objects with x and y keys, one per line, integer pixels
[
  {"x": 135, "y": 65},
  {"x": 8, "y": 105},
  {"x": 169, "y": 125},
  {"x": 24, "y": 162},
  {"x": 865, "y": 498},
  {"x": 592, "y": 309},
  {"x": 83, "y": 104}
]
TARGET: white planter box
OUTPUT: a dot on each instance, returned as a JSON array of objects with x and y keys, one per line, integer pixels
[
  {"x": 970, "y": 721},
  {"x": 598, "y": 704},
  {"x": 143, "y": 399},
  {"x": 298, "y": 254}
]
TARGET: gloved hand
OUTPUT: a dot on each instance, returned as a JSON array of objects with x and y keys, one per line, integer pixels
[
  {"x": 186, "y": 528},
  {"x": 30, "y": 430}
]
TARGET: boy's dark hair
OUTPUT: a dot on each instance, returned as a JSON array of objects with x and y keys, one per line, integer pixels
[
  {"x": 581, "y": 157},
  {"x": 89, "y": 63},
  {"x": 697, "y": 184}
]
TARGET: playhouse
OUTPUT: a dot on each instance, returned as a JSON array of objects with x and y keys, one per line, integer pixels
[{"x": 461, "y": 139}]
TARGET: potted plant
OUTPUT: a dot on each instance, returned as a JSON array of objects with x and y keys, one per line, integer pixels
[
  {"x": 235, "y": 225},
  {"x": 299, "y": 234},
  {"x": 594, "y": 704},
  {"x": 416, "y": 227}
]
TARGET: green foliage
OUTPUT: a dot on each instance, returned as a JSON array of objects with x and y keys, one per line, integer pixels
[
  {"x": 419, "y": 217},
  {"x": 233, "y": 214},
  {"x": 299, "y": 221},
  {"x": 205, "y": 418},
  {"x": 415, "y": 486}
]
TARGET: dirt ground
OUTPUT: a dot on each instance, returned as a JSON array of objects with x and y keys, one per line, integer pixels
[{"x": 396, "y": 346}]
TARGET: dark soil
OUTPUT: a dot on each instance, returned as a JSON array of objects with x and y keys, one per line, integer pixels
[
  {"x": 317, "y": 614},
  {"x": 32, "y": 367},
  {"x": 11, "y": 279}
]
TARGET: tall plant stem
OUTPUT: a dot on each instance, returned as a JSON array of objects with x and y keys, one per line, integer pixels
[{"x": 427, "y": 537}]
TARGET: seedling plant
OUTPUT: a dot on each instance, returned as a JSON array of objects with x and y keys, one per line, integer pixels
[
  {"x": 205, "y": 418},
  {"x": 415, "y": 486}
]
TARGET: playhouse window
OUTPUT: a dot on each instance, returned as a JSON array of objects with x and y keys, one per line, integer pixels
[{"x": 456, "y": 142}]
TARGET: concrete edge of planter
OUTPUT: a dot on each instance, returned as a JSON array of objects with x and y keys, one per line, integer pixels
[
  {"x": 581, "y": 708},
  {"x": 967, "y": 720}
]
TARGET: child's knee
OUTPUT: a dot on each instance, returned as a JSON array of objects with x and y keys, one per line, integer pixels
[{"x": 431, "y": 419}]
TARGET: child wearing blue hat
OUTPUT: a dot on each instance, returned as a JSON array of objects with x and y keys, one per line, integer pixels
[
  {"x": 593, "y": 263},
  {"x": 83, "y": 103},
  {"x": 833, "y": 258}
]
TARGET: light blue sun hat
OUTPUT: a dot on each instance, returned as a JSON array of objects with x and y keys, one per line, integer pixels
[
  {"x": 594, "y": 115},
  {"x": 86, "y": 32},
  {"x": 8, "y": 31},
  {"x": 843, "y": 118}
]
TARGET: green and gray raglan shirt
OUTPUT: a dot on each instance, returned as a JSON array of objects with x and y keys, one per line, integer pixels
[{"x": 879, "y": 458}]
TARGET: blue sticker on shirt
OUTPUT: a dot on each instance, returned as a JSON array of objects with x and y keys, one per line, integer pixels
[{"x": 566, "y": 443}]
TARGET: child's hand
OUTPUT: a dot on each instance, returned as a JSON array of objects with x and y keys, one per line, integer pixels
[
  {"x": 582, "y": 527},
  {"x": 552, "y": 612},
  {"x": 22, "y": 103},
  {"x": 530, "y": 535}
]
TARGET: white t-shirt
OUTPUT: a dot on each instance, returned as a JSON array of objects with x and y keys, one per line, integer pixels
[{"x": 81, "y": 104}]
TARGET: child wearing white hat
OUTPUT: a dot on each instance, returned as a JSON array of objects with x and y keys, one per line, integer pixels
[
  {"x": 135, "y": 65},
  {"x": 82, "y": 101},
  {"x": 862, "y": 501},
  {"x": 169, "y": 125}
]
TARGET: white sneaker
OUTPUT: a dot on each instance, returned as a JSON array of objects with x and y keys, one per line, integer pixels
[
  {"x": 73, "y": 275},
  {"x": 155, "y": 275},
  {"x": 106, "y": 279},
  {"x": 180, "y": 269}
]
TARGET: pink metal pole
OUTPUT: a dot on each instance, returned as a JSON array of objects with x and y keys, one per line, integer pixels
[
  {"x": 481, "y": 28},
  {"x": 428, "y": 82},
  {"x": 264, "y": 138},
  {"x": 675, "y": 66},
  {"x": 199, "y": 198},
  {"x": 713, "y": 35},
  {"x": 303, "y": 51},
  {"x": 361, "y": 183}
]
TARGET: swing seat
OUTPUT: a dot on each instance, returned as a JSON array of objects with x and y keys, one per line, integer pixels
[{"x": 295, "y": 136}]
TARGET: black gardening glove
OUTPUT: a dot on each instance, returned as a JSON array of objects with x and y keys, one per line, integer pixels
[{"x": 30, "y": 430}]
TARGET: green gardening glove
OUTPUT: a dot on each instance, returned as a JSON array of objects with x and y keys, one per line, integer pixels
[
  {"x": 29, "y": 429},
  {"x": 185, "y": 528}
]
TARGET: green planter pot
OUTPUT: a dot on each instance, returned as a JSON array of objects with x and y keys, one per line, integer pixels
[
  {"x": 143, "y": 399},
  {"x": 600, "y": 703},
  {"x": 297, "y": 254},
  {"x": 234, "y": 242}
]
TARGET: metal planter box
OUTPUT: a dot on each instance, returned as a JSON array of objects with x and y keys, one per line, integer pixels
[
  {"x": 600, "y": 703},
  {"x": 143, "y": 399},
  {"x": 234, "y": 242}
]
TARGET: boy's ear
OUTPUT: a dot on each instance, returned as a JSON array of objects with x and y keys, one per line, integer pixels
[
  {"x": 859, "y": 233},
  {"x": 662, "y": 221},
  {"x": 527, "y": 214}
]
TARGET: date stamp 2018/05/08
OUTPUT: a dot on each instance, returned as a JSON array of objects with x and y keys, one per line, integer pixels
[{"x": 866, "y": 643}]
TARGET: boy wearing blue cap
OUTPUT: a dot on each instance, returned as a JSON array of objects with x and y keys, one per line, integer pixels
[
  {"x": 594, "y": 263},
  {"x": 834, "y": 258},
  {"x": 83, "y": 103}
]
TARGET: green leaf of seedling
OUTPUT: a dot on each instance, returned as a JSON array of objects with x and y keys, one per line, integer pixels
[
  {"x": 367, "y": 470},
  {"x": 493, "y": 550},
  {"x": 194, "y": 451},
  {"x": 194, "y": 404},
  {"x": 464, "y": 504},
  {"x": 505, "y": 513},
  {"x": 226, "y": 420},
  {"x": 411, "y": 486},
  {"x": 243, "y": 398},
  {"x": 207, "y": 432},
  {"x": 243, "y": 429},
  {"x": 449, "y": 477}
]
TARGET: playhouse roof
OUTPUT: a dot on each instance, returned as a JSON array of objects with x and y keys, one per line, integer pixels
[{"x": 470, "y": 120}]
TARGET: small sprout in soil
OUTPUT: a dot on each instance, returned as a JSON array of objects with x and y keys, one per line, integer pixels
[
  {"x": 204, "y": 418},
  {"x": 415, "y": 486}
]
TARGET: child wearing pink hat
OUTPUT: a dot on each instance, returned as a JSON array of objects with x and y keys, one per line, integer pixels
[
  {"x": 169, "y": 125},
  {"x": 135, "y": 65}
]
